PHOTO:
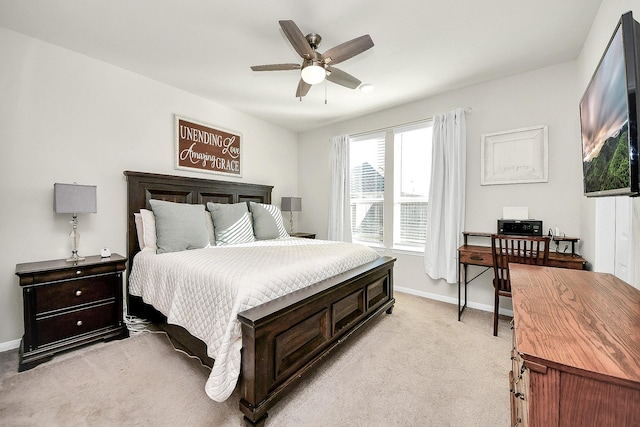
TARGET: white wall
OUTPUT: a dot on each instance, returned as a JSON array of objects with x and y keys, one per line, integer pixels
[
  {"x": 592, "y": 50},
  {"x": 65, "y": 117},
  {"x": 545, "y": 96}
]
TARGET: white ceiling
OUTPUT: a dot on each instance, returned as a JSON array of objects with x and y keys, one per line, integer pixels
[{"x": 205, "y": 47}]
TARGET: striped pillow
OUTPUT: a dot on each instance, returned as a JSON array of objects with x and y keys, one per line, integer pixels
[
  {"x": 231, "y": 223},
  {"x": 267, "y": 222}
]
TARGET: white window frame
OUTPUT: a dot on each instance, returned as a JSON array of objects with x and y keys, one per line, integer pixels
[{"x": 392, "y": 182}]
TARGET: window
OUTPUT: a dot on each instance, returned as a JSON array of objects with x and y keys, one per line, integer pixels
[
  {"x": 390, "y": 209},
  {"x": 412, "y": 171},
  {"x": 366, "y": 175}
]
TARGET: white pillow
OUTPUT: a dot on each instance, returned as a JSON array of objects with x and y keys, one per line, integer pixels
[
  {"x": 209, "y": 221},
  {"x": 146, "y": 229},
  {"x": 139, "y": 230}
]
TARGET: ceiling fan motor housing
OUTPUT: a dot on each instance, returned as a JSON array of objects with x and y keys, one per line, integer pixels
[{"x": 314, "y": 40}]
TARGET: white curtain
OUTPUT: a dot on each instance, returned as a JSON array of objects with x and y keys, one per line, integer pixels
[
  {"x": 445, "y": 221},
  {"x": 339, "y": 205}
]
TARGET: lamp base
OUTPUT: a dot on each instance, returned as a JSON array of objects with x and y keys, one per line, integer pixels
[
  {"x": 75, "y": 258},
  {"x": 291, "y": 231},
  {"x": 74, "y": 238}
]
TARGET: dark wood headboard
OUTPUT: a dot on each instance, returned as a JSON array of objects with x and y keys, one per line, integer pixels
[{"x": 141, "y": 187}]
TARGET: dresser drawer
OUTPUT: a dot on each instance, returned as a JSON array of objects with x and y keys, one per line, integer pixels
[
  {"x": 71, "y": 324},
  {"x": 61, "y": 295},
  {"x": 519, "y": 388}
]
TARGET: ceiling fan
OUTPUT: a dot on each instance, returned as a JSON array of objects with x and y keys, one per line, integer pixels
[{"x": 316, "y": 66}]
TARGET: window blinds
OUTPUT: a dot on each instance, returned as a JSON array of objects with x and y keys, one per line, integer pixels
[{"x": 367, "y": 187}]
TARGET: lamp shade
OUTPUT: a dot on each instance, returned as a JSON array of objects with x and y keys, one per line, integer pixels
[
  {"x": 313, "y": 74},
  {"x": 74, "y": 198},
  {"x": 291, "y": 204}
]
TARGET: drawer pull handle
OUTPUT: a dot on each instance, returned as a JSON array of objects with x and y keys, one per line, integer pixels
[
  {"x": 79, "y": 323},
  {"x": 476, "y": 258},
  {"x": 79, "y": 272},
  {"x": 78, "y": 292}
]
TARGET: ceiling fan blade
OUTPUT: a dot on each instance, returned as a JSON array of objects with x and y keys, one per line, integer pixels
[
  {"x": 276, "y": 67},
  {"x": 347, "y": 50},
  {"x": 343, "y": 79},
  {"x": 303, "y": 89},
  {"x": 297, "y": 39}
]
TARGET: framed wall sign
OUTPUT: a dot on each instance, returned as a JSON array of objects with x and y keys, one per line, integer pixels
[
  {"x": 515, "y": 156},
  {"x": 204, "y": 148}
]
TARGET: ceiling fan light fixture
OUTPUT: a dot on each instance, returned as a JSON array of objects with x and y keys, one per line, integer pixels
[{"x": 313, "y": 74}]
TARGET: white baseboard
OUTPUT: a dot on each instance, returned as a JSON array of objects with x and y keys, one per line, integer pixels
[
  {"x": 9, "y": 345},
  {"x": 451, "y": 300}
]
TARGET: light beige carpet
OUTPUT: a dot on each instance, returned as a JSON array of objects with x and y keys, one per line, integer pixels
[{"x": 416, "y": 367}]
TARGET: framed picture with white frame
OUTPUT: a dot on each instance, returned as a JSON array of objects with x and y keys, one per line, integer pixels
[{"x": 515, "y": 156}]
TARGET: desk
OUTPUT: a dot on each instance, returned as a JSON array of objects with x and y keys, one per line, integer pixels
[{"x": 481, "y": 256}]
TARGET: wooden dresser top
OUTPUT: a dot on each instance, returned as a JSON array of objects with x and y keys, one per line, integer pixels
[{"x": 577, "y": 321}]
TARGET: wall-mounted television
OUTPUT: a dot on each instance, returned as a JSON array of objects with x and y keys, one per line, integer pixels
[{"x": 608, "y": 117}]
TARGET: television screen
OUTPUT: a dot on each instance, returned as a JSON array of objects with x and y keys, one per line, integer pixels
[{"x": 608, "y": 119}]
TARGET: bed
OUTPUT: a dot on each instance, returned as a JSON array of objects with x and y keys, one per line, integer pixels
[{"x": 281, "y": 339}]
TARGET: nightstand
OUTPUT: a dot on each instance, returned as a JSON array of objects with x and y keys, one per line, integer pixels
[
  {"x": 304, "y": 235},
  {"x": 67, "y": 305}
]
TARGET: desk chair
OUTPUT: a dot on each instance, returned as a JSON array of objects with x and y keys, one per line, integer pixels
[{"x": 518, "y": 249}]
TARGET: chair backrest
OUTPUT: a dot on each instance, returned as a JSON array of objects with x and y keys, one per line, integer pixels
[{"x": 516, "y": 249}]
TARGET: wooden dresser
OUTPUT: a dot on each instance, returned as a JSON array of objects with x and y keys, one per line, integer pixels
[{"x": 576, "y": 355}]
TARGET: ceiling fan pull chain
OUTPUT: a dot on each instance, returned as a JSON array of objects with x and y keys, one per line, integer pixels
[{"x": 325, "y": 92}]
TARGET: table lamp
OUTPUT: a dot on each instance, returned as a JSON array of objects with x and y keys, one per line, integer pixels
[
  {"x": 74, "y": 199},
  {"x": 291, "y": 205}
]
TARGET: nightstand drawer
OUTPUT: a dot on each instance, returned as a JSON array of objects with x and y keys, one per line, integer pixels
[
  {"x": 75, "y": 272},
  {"x": 56, "y": 328},
  {"x": 75, "y": 292},
  {"x": 304, "y": 235}
]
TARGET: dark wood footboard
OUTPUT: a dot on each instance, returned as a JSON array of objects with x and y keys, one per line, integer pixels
[{"x": 286, "y": 337}]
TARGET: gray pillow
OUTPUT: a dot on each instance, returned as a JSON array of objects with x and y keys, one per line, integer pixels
[
  {"x": 179, "y": 226},
  {"x": 267, "y": 221},
  {"x": 231, "y": 223}
]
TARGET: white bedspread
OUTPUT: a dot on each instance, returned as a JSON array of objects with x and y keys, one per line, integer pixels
[{"x": 203, "y": 290}]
